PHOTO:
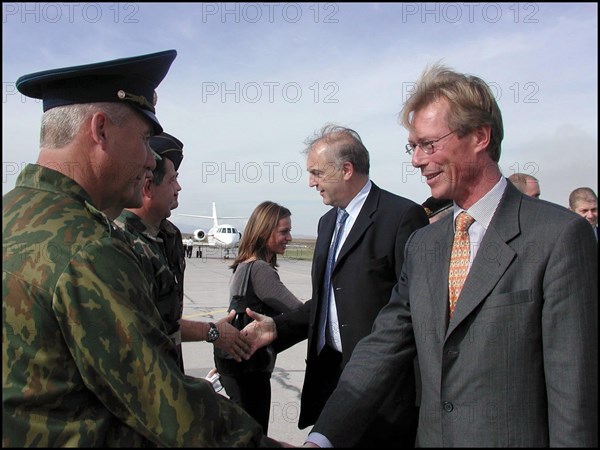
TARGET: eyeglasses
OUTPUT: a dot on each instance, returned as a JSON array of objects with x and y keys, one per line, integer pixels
[{"x": 426, "y": 146}]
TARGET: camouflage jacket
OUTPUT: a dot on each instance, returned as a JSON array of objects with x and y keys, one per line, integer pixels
[
  {"x": 85, "y": 354},
  {"x": 163, "y": 250}
]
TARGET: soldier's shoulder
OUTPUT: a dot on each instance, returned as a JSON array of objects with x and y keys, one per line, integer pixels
[
  {"x": 170, "y": 227},
  {"x": 112, "y": 228}
]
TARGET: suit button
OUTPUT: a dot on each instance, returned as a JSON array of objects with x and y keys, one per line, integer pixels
[
  {"x": 451, "y": 353},
  {"x": 448, "y": 406}
]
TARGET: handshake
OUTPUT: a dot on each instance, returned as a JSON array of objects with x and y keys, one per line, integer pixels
[{"x": 242, "y": 344}]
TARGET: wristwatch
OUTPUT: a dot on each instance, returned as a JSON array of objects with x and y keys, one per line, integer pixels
[{"x": 213, "y": 333}]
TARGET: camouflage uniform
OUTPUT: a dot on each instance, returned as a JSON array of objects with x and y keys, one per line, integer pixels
[
  {"x": 163, "y": 248},
  {"x": 84, "y": 348}
]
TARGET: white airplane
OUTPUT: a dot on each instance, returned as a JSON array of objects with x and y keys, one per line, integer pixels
[{"x": 224, "y": 236}]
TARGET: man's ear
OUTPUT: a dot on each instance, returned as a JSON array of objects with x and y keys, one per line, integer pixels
[
  {"x": 481, "y": 137},
  {"x": 347, "y": 170},
  {"x": 147, "y": 187},
  {"x": 98, "y": 127}
]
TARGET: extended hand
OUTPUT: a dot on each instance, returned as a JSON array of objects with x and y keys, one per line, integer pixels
[
  {"x": 231, "y": 339},
  {"x": 260, "y": 332}
]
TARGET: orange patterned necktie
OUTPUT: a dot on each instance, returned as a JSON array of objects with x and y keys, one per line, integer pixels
[{"x": 459, "y": 258}]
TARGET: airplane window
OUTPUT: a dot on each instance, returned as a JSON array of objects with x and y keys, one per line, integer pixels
[{"x": 229, "y": 230}]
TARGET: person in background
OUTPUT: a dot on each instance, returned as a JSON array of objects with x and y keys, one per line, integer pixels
[
  {"x": 160, "y": 242},
  {"x": 267, "y": 234},
  {"x": 437, "y": 208},
  {"x": 353, "y": 273},
  {"x": 527, "y": 184},
  {"x": 584, "y": 202},
  {"x": 185, "y": 243},
  {"x": 86, "y": 356}
]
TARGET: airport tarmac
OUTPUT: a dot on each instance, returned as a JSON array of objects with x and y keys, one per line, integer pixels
[{"x": 206, "y": 287}]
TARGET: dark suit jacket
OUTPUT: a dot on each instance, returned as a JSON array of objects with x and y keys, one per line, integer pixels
[
  {"x": 517, "y": 365},
  {"x": 366, "y": 270}
]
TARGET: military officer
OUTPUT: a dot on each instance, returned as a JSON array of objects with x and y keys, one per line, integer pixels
[
  {"x": 85, "y": 352},
  {"x": 160, "y": 241}
]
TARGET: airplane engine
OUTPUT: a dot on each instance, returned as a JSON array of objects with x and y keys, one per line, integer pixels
[{"x": 199, "y": 234}]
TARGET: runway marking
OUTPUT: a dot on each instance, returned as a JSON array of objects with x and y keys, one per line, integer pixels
[{"x": 205, "y": 313}]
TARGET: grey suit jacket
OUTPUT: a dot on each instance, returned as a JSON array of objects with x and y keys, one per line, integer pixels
[{"x": 517, "y": 365}]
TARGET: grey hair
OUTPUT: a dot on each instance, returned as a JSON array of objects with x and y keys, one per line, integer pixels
[
  {"x": 345, "y": 145},
  {"x": 60, "y": 125}
]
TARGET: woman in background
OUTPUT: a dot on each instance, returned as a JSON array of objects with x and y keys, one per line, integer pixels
[{"x": 267, "y": 234}]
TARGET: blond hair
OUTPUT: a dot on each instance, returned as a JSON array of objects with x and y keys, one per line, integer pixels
[{"x": 472, "y": 104}]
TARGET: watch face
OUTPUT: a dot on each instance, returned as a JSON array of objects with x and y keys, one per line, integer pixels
[{"x": 213, "y": 333}]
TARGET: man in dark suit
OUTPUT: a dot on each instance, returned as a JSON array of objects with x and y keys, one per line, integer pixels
[
  {"x": 514, "y": 362},
  {"x": 367, "y": 266}
]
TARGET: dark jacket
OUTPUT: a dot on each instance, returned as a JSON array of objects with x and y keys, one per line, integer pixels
[{"x": 366, "y": 270}]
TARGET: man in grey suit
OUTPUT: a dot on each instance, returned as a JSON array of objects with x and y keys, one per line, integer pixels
[
  {"x": 516, "y": 364},
  {"x": 367, "y": 265}
]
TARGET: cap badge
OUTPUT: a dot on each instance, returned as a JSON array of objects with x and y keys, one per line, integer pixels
[{"x": 140, "y": 99}]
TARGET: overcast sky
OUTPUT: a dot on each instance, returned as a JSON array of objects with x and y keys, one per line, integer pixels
[{"x": 253, "y": 80}]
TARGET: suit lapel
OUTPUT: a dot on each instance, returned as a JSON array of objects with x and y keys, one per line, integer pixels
[
  {"x": 439, "y": 267},
  {"x": 493, "y": 257}
]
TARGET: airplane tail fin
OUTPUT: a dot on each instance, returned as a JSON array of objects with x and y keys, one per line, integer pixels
[{"x": 214, "y": 215}]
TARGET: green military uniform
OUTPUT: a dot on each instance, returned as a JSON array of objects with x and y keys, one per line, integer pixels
[
  {"x": 85, "y": 353},
  {"x": 163, "y": 248}
]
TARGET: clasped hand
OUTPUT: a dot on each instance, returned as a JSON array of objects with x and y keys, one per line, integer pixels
[
  {"x": 231, "y": 340},
  {"x": 260, "y": 332}
]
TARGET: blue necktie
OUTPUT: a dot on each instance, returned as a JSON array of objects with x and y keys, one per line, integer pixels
[{"x": 326, "y": 298}]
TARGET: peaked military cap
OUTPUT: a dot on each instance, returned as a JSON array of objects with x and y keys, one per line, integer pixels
[
  {"x": 169, "y": 147},
  {"x": 434, "y": 206},
  {"x": 132, "y": 80}
]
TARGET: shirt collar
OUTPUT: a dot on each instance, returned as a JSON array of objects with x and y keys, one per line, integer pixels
[
  {"x": 483, "y": 210},
  {"x": 358, "y": 201}
]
